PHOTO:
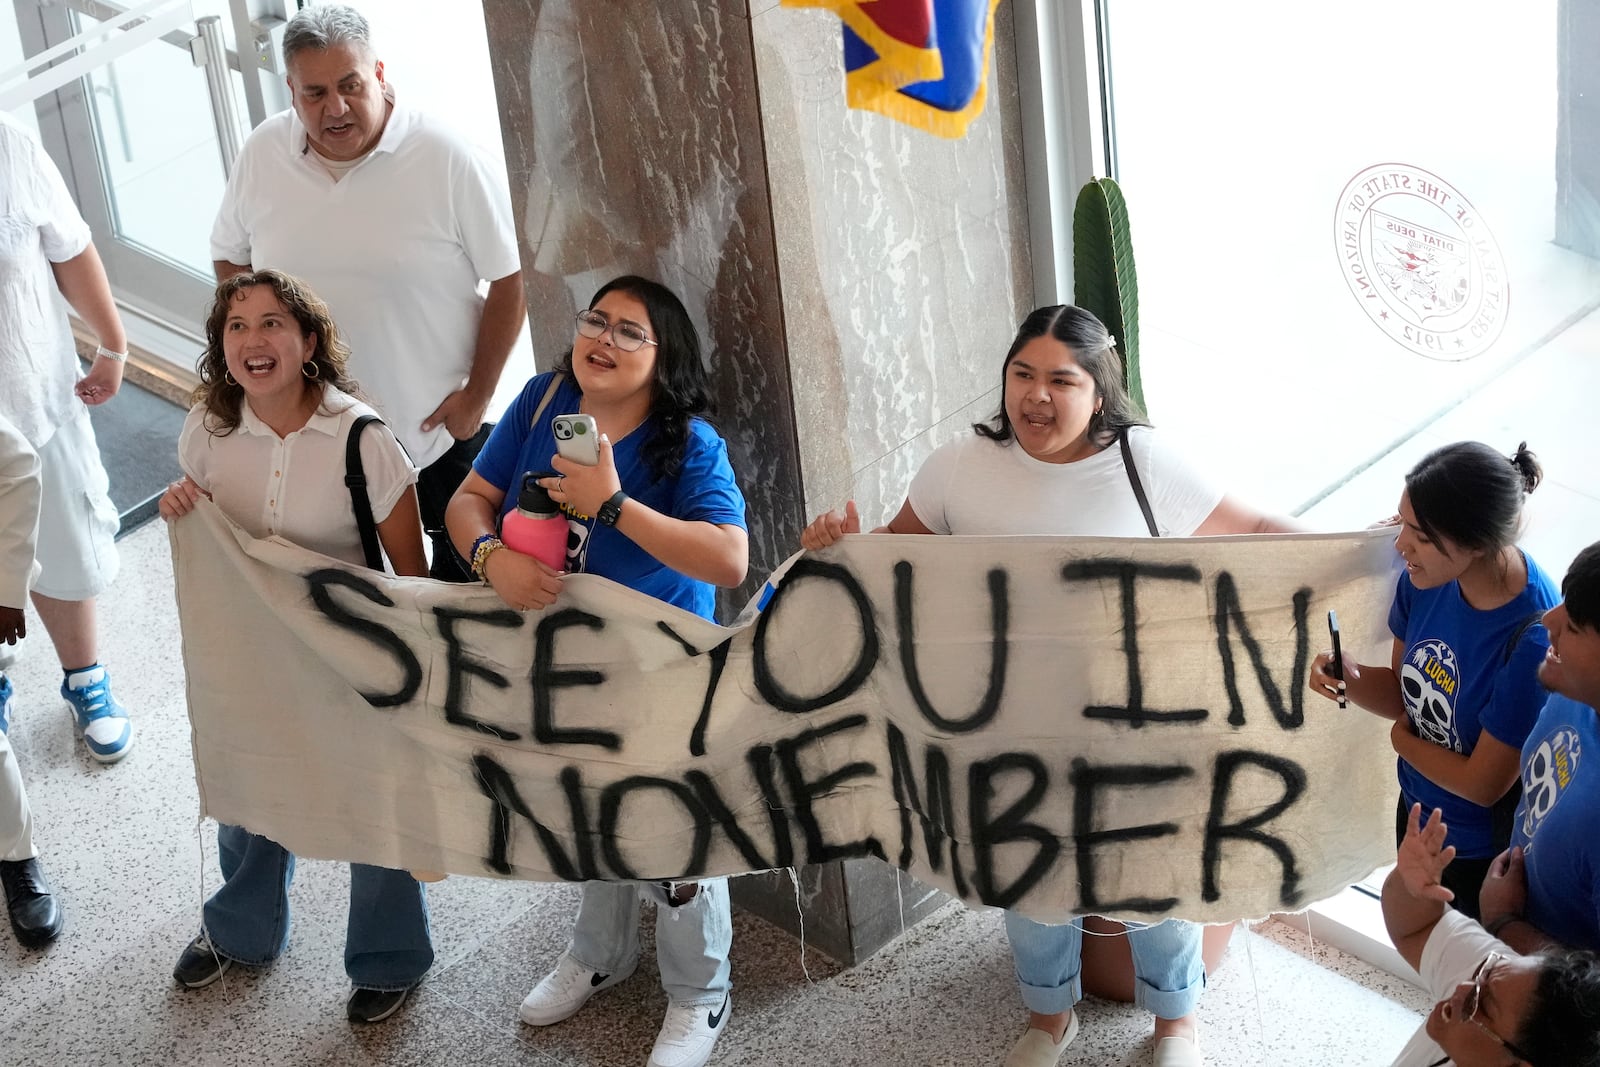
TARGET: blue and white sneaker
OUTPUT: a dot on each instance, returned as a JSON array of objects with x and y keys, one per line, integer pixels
[
  {"x": 101, "y": 720},
  {"x": 7, "y": 692}
]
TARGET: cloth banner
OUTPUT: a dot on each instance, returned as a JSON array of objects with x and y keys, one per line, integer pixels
[
  {"x": 921, "y": 62},
  {"x": 1115, "y": 726}
]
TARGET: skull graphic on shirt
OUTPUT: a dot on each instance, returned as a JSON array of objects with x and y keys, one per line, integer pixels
[{"x": 1430, "y": 679}]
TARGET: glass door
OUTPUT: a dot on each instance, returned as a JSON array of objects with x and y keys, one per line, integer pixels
[{"x": 137, "y": 140}]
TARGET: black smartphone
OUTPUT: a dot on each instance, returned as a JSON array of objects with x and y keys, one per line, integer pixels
[{"x": 1337, "y": 666}]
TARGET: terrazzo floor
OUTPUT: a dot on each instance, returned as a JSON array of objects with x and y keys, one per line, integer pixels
[{"x": 132, "y": 862}]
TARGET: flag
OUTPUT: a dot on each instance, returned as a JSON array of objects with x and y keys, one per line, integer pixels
[{"x": 920, "y": 62}]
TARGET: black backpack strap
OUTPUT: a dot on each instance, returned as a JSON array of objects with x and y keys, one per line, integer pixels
[
  {"x": 1516, "y": 636},
  {"x": 356, "y": 479},
  {"x": 1138, "y": 486}
]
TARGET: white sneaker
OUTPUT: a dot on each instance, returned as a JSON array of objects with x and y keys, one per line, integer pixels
[
  {"x": 689, "y": 1033},
  {"x": 564, "y": 990},
  {"x": 1035, "y": 1049},
  {"x": 1177, "y": 1052}
]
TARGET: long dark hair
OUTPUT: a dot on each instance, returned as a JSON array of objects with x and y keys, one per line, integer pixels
[
  {"x": 1472, "y": 495},
  {"x": 1092, "y": 346},
  {"x": 681, "y": 384},
  {"x": 223, "y": 397}
]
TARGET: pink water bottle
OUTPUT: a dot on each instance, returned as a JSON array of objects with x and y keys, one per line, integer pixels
[{"x": 536, "y": 526}]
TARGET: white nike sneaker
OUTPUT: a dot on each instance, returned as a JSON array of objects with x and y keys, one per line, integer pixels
[
  {"x": 564, "y": 990},
  {"x": 689, "y": 1033}
]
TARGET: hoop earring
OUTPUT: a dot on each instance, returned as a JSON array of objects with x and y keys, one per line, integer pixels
[
  {"x": 227, "y": 376},
  {"x": 314, "y": 373}
]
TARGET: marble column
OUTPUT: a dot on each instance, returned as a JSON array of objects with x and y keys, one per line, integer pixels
[{"x": 857, "y": 281}]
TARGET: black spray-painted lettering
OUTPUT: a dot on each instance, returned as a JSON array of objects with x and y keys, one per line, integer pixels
[
  {"x": 1086, "y": 779},
  {"x": 1127, "y": 572},
  {"x": 611, "y": 799},
  {"x": 999, "y": 619},
  {"x": 805, "y": 792},
  {"x": 1229, "y": 611},
  {"x": 719, "y": 660},
  {"x": 990, "y": 832},
  {"x": 461, "y": 665},
  {"x": 321, "y": 582},
  {"x": 546, "y": 680},
  {"x": 938, "y": 817},
  {"x": 866, "y": 657},
  {"x": 1294, "y": 784},
  {"x": 496, "y": 784}
]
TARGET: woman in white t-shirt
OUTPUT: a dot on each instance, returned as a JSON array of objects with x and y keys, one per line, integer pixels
[
  {"x": 266, "y": 442},
  {"x": 1052, "y": 461}
]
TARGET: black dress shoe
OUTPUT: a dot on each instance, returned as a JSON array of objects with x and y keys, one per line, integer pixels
[{"x": 35, "y": 915}]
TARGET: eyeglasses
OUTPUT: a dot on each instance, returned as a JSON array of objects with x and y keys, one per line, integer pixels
[
  {"x": 1473, "y": 1001},
  {"x": 625, "y": 335}
]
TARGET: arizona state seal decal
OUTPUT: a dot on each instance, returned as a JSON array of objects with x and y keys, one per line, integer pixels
[{"x": 1421, "y": 262}]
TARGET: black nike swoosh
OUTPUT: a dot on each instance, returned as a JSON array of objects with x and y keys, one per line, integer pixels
[
  {"x": 598, "y": 979},
  {"x": 714, "y": 1018}
]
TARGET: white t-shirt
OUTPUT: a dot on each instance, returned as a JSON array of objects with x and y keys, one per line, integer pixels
[
  {"x": 293, "y": 487},
  {"x": 973, "y": 485},
  {"x": 396, "y": 247},
  {"x": 39, "y": 225},
  {"x": 1453, "y": 951}
]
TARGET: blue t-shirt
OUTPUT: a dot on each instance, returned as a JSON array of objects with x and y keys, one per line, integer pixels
[
  {"x": 702, "y": 491},
  {"x": 1555, "y": 822},
  {"x": 1458, "y": 681}
]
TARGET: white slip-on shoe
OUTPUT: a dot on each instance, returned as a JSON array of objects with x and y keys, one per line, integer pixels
[
  {"x": 1037, "y": 1050},
  {"x": 1178, "y": 1052}
]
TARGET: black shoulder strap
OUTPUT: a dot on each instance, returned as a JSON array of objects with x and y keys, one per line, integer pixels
[
  {"x": 1516, "y": 636},
  {"x": 356, "y": 479},
  {"x": 1138, "y": 486}
]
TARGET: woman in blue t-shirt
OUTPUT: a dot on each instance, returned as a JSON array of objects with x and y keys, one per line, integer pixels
[
  {"x": 661, "y": 514},
  {"x": 1462, "y": 686}
]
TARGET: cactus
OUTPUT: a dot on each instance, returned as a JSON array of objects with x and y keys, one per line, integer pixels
[{"x": 1104, "y": 279}]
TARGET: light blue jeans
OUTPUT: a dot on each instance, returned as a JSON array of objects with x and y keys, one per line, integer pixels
[
  {"x": 386, "y": 944},
  {"x": 1169, "y": 971},
  {"x": 692, "y": 940}
]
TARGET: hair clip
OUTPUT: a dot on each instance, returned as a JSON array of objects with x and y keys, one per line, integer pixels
[{"x": 1111, "y": 340}]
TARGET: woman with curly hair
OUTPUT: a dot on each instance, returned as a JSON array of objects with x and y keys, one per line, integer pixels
[{"x": 266, "y": 441}]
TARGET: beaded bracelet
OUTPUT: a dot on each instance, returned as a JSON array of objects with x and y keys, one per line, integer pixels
[{"x": 482, "y": 548}]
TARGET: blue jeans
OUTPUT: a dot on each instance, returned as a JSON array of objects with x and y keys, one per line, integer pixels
[
  {"x": 1169, "y": 972},
  {"x": 386, "y": 943},
  {"x": 692, "y": 940}
]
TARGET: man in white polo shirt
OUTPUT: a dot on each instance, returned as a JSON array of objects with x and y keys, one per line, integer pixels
[{"x": 393, "y": 219}]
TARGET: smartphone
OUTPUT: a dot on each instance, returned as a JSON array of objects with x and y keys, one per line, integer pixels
[
  {"x": 577, "y": 439},
  {"x": 1336, "y": 668}
]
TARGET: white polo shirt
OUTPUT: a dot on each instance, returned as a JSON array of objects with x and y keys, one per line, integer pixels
[
  {"x": 396, "y": 248},
  {"x": 293, "y": 487},
  {"x": 39, "y": 225}
]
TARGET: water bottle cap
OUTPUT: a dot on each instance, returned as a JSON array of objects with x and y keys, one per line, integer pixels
[{"x": 533, "y": 498}]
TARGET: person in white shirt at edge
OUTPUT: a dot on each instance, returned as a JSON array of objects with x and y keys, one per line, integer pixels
[
  {"x": 1497, "y": 1007},
  {"x": 266, "y": 441},
  {"x": 1051, "y": 462},
  {"x": 393, "y": 219},
  {"x": 46, "y": 255},
  {"x": 35, "y": 916}
]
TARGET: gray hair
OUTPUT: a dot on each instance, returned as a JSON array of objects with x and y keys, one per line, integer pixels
[{"x": 322, "y": 26}]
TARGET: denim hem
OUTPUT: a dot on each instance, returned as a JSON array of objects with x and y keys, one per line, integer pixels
[
  {"x": 1168, "y": 1003},
  {"x": 588, "y": 966},
  {"x": 385, "y": 987},
  {"x": 1052, "y": 1000}
]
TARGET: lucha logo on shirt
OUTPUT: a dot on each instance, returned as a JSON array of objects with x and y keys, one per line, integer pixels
[
  {"x": 1429, "y": 678},
  {"x": 1546, "y": 776},
  {"x": 577, "y": 545}
]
